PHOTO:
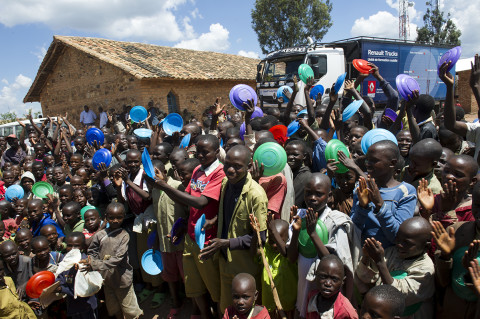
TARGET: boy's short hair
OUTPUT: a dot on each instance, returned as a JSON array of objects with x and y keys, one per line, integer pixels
[
  {"x": 459, "y": 113},
  {"x": 390, "y": 295},
  {"x": 298, "y": 142},
  {"x": 75, "y": 206},
  {"x": 209, "y": 138},
  {"x": 158, "y": 164},
  {"x": 190, "y": 164},
  {"x": 113, "y": 206},
  {"x": 425, "y": 104},
  {"x": 39, "y": 239},
  {"x": 75, "y": 234},
  {"x": 312, "y": 273},
  {"x": 470, "y": 163},
  {"x": 64, "y": 187},
  {"x": 167, "y": 146},
  {"x": 269, "y": 120},
  {"x": 390, "y": 147},
  {"x": 363, "y": 128},
  {"x": 428, "y": 148},
  {"x": 233, "y": 131}
]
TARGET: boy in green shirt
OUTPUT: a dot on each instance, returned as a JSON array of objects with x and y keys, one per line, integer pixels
[
  {"x": 71, "y": 217},
  {"x": 240, "y": 197}
]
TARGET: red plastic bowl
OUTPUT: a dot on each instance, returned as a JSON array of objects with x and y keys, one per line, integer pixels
[{"x": 38, "y": 282}]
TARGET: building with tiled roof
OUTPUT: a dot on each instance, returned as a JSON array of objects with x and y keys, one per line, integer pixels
[{"x": 79, "y": 71}]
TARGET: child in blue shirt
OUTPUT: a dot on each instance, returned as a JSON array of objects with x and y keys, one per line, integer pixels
[{"x": 380, "y": 203}]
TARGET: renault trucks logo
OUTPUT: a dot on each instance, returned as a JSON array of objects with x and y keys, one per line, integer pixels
[{"x": 371, "y": 88}]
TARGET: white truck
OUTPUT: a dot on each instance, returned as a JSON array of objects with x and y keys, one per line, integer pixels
[{"x": 329, "y": 60}]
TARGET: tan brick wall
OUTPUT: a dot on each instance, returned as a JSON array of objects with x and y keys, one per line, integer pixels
[
  {"x": 194, "y": 96},
  {"x": 79, "y": 80},
  {"x": 464, "y": 92}
]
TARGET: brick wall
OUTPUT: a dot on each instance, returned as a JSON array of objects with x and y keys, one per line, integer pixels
[
  {"x": 464, "y": 92},
  {"x": 79, "y": 80},
  {"x": 194, "y": 96}
]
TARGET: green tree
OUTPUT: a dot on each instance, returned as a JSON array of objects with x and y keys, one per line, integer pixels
[
  {"x": 8, "y": 117},
  {"x": 286, "y": 23},
  {"x": 437, "y": 28}
]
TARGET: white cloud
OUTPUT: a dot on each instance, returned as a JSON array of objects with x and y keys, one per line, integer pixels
[
  {"x": 196, "y": 14},
  {"x": 465, "y": 15},
  {"x": 249, "y": 54},
  {"x": 214, "y": 40},
  {"x": 381, "y": 24},
  {"x": 145, "y": 19},
  {"x": 11, "y": 96},
  {"x": 40, "y": 53}
]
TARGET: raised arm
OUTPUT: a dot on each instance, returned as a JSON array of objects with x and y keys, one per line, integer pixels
[
  {"x": 412, "y": 122},
  {"x": 450, "y": 120},
  {"x": 390, "y": 93},
  {"x": 216, "y": 111},
  {"x": 288, "y": 110},
  {"x": 475, "y": 80},
  {"x": 333, "y": 99},
  {"x": 310, "y": 109}
]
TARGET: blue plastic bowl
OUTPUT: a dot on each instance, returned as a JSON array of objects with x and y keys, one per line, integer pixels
[
  {"x": 280, "y": 92},
  {"x": 241, "y": 93},
  {"x": 152, "y": 262},
  {"x": 374, "y": 136},
  {"x": 302, "y": 113},
  {"x": 199, "y": 234},
  {"x": 151, "y": 239},
  {"x": 143, "y": 132},
  {"x": 185, "y": 141},
  {"x": 243, "y": 129},
  {"x": 101, "y": 156},
  {"x": 257, "y": 113},
  {"x": 339, "y": 83},
  {"x": 14, "y": 191},
  {"x": 147, "y": 164},
  {"x": 94, "y": 134},
  {"x": 316, "y": 90},
  {"x": 138, "y": 114},
  {"x": 292, "y": 128},
  {"x": 172, "y": 123},
  {"x": 351, "y": 109},
  {"x": 176, "y": 225}
]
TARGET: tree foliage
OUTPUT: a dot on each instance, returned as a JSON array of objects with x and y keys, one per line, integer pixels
[
  {"x": 437, "y": 28},
  {"x": 8, "y": 117},
  {"x": 286, "y": 23}
]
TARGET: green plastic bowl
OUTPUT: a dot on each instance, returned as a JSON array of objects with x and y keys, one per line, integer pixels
[
  {"x": 41, "y": 189},
  {"x": 331, "y": 152},
  {"x": 305, "y": 72},
  {"x": 305, "y": 243},
  {"x": 272, "y": 156}
]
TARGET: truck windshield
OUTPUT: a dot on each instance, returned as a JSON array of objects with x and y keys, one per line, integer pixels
[{"x": 284, "y": 69}]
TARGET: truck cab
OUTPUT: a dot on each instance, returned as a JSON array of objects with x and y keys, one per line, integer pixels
[{"x": 279, "y": 67}]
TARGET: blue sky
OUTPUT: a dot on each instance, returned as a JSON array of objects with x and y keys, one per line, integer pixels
[{"x": 27, "y": 28}]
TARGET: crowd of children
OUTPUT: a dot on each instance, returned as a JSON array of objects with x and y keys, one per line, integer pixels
[{"x": 396, "y": 234}]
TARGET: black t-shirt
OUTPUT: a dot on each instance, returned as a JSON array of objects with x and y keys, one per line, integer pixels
[{"x": 428, "y": 130}]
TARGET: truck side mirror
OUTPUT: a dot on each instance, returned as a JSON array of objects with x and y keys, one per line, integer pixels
[
  {"x": 259, "y": 67},
  {"x": 314, "y": 60}
]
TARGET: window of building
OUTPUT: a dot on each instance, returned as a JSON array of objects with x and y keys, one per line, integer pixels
[{"x": 172, "y": 103}]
